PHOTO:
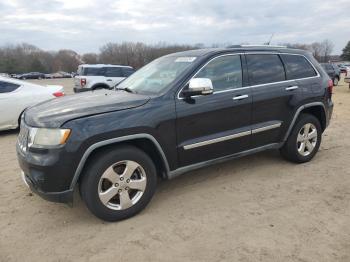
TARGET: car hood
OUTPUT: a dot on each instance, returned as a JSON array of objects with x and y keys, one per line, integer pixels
[{"x": 55, "y": 112}]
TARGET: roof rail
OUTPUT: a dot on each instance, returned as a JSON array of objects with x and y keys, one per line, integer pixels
[{"x": 273, "y": 46}]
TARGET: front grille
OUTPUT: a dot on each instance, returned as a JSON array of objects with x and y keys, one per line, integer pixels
[{"x": 23, "y": 137}]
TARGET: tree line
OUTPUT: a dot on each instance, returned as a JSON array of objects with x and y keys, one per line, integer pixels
[
  {"x": 24, "y": 57},
  {"x": 321, "y": 50}
]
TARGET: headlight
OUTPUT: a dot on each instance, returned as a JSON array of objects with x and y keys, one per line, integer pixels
[{"x": 47, "y": 137}]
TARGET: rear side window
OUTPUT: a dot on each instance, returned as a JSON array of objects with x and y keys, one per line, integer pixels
[
  {"x": 127, "y": 71},
  {"x": 6, "y": 87},
  {"x": 113, "y": 72},
  {"x": 92, "y": 71},
  {"x": 265, "y": 68},
  {"x": 298, "y": 67},
  {"x": 225, "y": 72}
]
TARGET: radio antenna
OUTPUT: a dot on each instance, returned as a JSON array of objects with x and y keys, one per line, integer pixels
[{"x": 269, "y": 42}]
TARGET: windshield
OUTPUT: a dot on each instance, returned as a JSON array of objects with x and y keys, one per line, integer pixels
[{"x": 157, "y": 75}]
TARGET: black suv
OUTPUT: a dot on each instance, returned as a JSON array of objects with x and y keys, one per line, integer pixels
[
  {"x": 180, "y": 112},
  {"x": 333, "y": 71}
]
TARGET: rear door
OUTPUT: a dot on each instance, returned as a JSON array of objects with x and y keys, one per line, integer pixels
[
  {"x": 113, "y": 75},
  {"x": 215, "y": 125},
  {"x": 274, "y": 97},
  {"x": 306, "y": 77}
]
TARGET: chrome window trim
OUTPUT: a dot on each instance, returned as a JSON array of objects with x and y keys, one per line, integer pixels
[
  {"x": 233, "y": 136},
  {"x": 252, "y": 86}
]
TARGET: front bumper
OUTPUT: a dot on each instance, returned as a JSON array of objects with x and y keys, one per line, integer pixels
[
  {"x": 48, "y": 172},
  {"x": 61, "y": 197}
]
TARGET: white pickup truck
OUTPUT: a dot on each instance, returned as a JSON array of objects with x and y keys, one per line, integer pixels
[{"x": 99, "y": 76}]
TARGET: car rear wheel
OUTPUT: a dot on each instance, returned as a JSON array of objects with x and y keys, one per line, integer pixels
[
  {"x": 304, "y": 140},
  {"x": 119, "y": 183}
]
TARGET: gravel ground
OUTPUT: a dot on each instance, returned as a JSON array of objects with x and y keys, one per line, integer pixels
[{"x": 257, "y": 208}]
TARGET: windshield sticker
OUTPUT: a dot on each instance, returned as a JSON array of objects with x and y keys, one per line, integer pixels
[{"x": 185, "y": 59}]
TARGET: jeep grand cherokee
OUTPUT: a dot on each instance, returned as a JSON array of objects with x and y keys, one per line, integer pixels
[{"x": 180, "y": 112}]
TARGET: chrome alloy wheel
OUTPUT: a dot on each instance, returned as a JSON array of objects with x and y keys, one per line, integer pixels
[
  {"x": 122, "y": 185},
  {"x": 307, "y": 139}
]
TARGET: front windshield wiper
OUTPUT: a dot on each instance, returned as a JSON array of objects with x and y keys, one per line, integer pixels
[{"x": 127, "y": 89}]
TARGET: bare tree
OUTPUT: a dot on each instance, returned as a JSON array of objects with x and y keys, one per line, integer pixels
[
  {"x": 25, "y": 57},
  {"x": 66, "y": 60},
  {"x": 327, "y": 47},
  {"x": 317, "y": 50},
  {"x": 321, "y": 50},
  {"x": 90, "y": 58}
]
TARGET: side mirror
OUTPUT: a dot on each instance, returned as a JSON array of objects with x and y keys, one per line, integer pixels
[{"x": 198, "y": 86}]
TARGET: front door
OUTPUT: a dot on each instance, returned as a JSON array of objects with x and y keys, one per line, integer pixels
[{"x": 215, "y": 125}]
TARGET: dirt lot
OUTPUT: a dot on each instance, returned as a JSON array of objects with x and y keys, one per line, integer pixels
[{"x": 258, "y": 208}]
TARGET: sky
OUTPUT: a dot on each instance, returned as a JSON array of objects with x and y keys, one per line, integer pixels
[{"x": 86, "y": 25}]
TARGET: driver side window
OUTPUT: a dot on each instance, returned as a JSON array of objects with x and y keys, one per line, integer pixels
[{"x": 225, "y": 72}]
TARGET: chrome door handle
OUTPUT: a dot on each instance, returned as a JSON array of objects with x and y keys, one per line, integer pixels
[
  {"x": 240, "y": 97},
  {"x": 289, "y": 88}
]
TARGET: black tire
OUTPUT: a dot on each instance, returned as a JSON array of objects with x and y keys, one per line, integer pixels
[
  {"x": 290, "y": 149},
  {"x": 89, "y": 185}
]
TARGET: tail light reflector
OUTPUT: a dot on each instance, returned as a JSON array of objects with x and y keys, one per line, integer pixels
[
  {"x": 330, "y": 87},
  {"x": 82, "y": 81},
  {"x": 58, "y": 94}
]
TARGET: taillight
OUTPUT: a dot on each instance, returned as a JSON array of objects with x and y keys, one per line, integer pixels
[
  {"x": 58, "y": 94},
  {"x": 330, "y": 87},
  {"x": 82, "y": 81}
]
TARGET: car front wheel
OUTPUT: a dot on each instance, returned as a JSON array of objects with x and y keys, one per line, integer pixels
[
  {"x": 304, "y": 140},
  {"x": 119, "y": 183}
]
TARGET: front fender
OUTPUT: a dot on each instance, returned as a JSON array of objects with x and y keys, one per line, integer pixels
[{"x": 127, "y": 138}]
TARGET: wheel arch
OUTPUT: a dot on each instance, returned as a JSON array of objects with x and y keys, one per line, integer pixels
[
  {"x": 103, "y": 85},
  {"x": 316, "y": 109},
  {"x": 145, "y": 142},
  {"x": 319, "y": 113}
]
